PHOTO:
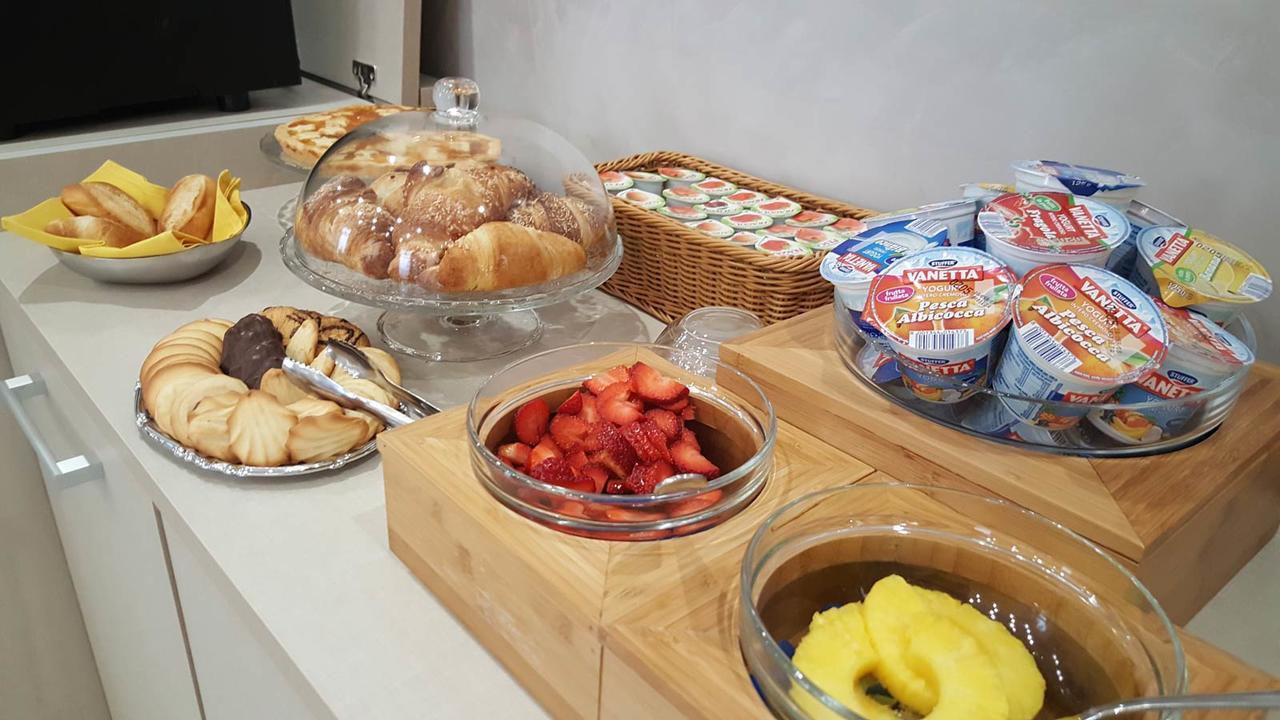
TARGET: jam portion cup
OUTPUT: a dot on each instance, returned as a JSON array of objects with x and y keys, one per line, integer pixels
[
  {"x": 1097, "y": 635},
  {"x": 737, "y": 432}
]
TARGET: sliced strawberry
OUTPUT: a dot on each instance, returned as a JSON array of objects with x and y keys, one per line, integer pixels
[
  {"x": 572, "y": 404},
  {"x": 644, "y": 478},
  {"x": 687, "y": 436},
  {"x": 576, "y": 459},
  {"x": 655, "y": 387},
  {"x": 531, "y": 421},
  {"x": 546, "y": 448},
  {"x": 573, "y": 508},
  {"x": 677, "y": 406},
  {"x": 603, "y": 380},
  {"x": 597, "y": 474},
  {"x": 590, "y": 412},
  {"x": 553, "y": 471},
  {"x": 617, "y": 514},
  {"x": 668, "y": 422},
  {"x": 568, "y": 431},
  {"x": 696, "y": 504},
  {"x": 689, "y": 459},
  {"x": 687, "y": 414},
  {"x": 582, "y": 484},
  {"x": 647, "y": 440},
  {"x": 615, "y": 487},
  {"x": 596, "y": 435},
  {"x": 615, "y": 453},
  {"x": 619, "y": 405},
  {"x": 515, "y": 454}
]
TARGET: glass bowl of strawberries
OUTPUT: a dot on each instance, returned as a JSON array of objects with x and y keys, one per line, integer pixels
[{"x": 581, "y": 438}]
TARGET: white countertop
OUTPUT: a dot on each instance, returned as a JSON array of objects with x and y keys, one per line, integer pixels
[{"x": 309, "y": 557}]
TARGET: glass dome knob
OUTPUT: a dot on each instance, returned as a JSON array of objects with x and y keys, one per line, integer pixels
[{"x": 457, "y": 100}]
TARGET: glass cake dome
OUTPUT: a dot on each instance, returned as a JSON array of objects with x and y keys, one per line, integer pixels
[{"x": 458, "y": 224}]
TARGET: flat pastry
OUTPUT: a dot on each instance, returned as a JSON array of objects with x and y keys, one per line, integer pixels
[
  {"x": 368, "y": 157},
  {"x": 304, "y": 139}
]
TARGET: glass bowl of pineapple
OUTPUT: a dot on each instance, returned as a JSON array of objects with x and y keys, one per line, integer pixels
[{"x": 893, "y": 602}]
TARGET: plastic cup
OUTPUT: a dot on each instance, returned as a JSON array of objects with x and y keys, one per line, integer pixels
[
  {"x": 957, "y": 215},
  {"x": 940, "y": 310},
  {"x": 1109, "y": 186},
  {"x": 1079, "y": 333},
  {"x": 1201, "y": 357},
  {"x": 1140, "y": 216},
  {"x": 715, "y": 187},
  {"x": 1040, "y": 228},
  {"x": 851, "y": 265},
  {"x": 642, "y": 199},
  {"x": 1187, "y": 267},
  {"x": 684, "y": 196},
  {"x": 680, "y": 177},
  {"x": 701, "y": 332},
  {"x": 646, "y": 181},
  {"x": 615, "y": 182}
]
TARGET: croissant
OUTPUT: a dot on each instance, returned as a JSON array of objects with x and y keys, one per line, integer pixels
[
  {"x": 570, "y": 217},
  {"x": 500, "y": 255},
  {"x": 342, "y": 222},
  {"x": 457, "y": 199}
]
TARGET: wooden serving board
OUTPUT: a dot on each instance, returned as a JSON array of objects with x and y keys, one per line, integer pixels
[
  {"x": 596, "y": 629},
  {"x": 1186, "y": 520}
]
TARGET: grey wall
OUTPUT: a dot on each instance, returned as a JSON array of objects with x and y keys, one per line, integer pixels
[{"x": 890, "y": 104}]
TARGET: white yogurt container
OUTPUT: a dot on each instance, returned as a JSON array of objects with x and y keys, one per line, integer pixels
[
  {"x": 817, "y": 239},
  {"x": 957, "y": 215},
  {"x": 1079, "y": 333},
  {"x": 715, "y": 187},
  {"x": 778, "y": 208},
  {"x": 940, "y": 310},
  {"x": 853, "y": 264},
  {"x": 1040, "y": 228},
  {"x": 1140, "y": 216},
  {"x": 711, "y": 227},
  {"x": 720, "y": 208},
  {"x": 779, "y": 230},
  {"x": 646, "y": 181},
  {"x": 1201, "y": 357},
  {"x": 811, "y": 219},
  {"x": 682, "y": 213},
  {"x": 744, "y": 238},
  {"x": 615, "y": 182},
  {"x": 746, "y": 198},
  {"x": 684, "y": 196},
  {"x": 680, "y": 177},
  {"x": 747, "y": 221},
  {"x": 1187, "y": 267},
  {"x": 642, "y": 199},
  {"x": 782, "y": 247},
  {"x": 1109, "y": 186}
]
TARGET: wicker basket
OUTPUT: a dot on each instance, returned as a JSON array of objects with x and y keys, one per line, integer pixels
[{"x": 669, "y": 269}]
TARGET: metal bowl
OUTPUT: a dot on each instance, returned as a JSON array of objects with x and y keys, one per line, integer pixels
[{"x": 159, "y": 269}]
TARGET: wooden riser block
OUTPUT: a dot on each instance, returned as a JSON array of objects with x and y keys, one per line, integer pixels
[
  {"x": 596, "y": 629},
  {"x": 1185, "y": 521}
]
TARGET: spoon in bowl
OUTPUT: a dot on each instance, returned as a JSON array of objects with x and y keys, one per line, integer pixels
[
  {"x": 683, "y": 481},
  {"x": 357, "y": 364},
  {"x": 1224, "y": 701}
]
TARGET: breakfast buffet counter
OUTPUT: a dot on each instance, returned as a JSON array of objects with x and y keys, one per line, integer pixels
[{"x": 302, "y": 564}]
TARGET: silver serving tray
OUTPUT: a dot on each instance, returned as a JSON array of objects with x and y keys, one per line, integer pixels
[
  {"x": 175, "y": 267},
  {"x": 186, "y": 455}
]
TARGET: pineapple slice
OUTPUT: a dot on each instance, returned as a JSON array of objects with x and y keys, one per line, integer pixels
[
  {"x": 1023, "y": 683},
  {"x": 835, "y": 654},
  {"x": 892, "y": 611},
  {"x": 950, "y": 660}
]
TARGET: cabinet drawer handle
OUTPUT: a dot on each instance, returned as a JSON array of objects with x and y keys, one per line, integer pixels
[{"x": 71, "y": 471}]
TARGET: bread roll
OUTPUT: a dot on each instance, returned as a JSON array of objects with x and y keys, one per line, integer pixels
[
  {"x": 95, "y": 228},
  {"x": 189, "y": 207},
  {"x": 107, "y": 201}
]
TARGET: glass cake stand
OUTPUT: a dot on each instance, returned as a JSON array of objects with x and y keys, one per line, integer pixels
[{"x": 271, "y": 150}]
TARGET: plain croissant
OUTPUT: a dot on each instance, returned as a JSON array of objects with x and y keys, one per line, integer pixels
[
  {"x": 342, "y": 222},
  {"x": 500, "y": 255}
]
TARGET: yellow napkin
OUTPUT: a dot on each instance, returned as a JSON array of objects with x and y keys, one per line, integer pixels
[{"x": 229, "y": 217}]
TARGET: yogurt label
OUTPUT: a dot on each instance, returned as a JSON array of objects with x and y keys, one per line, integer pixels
[
  {"x": 715, "y": 186},
  {"x": 861, "y": 257},
  {"x": 817, "y": 238},
  {"x": 847, "y": 227},
  {"x": 748, "y": 221},
  {"x": 682, "y": 213},
  {"x": 714, "y": 228},
  {"x": 684, "y": 193},
  {"x": 746, "y": 197},
  {"x": 1090, "y": 324},
  {"x": 811, "y": 219},
  {"x": 720, "y": 208},
  {"x": 614, "y": 181},
  {"x": 1053, "y": 222},
  {"x": 646, "y": 200},
  {"x": 782, "y": 247},
  {"x": 683, "y": 174},
  {"x": 1191, "y": 333},
  {"x": 1191, "y": 266}
]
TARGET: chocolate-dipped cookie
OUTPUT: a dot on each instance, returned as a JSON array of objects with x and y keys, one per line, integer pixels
[{"x": 250, "y": 348}]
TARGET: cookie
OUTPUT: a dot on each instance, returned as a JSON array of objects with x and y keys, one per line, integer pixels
[
  {"x": 259, "y": 428},
  {"x": 320, "y": 437}
]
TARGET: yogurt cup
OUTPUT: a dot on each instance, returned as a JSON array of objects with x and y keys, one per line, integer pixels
[
  {"x": 1041, "y": 228},
  {"x": 745, "y": 238},
  {"x": 989, "y": 416},
  {"x": 984, "y": 192},
  {"x": 720, "y": 208},
  {"x": 686, "y": 196},
  {"x": 1140, "y": 216},
  {"x": 1079, "y": 333},
  {"x": 682, "y": 213},
  {"x": 1201, "y": 357},
  {"x": 782, "y": 247},
  {"x": 615, "y": 182},
  {"x": 816, "y": 238},
  {"x": 646, "y": 181},
  {"x": 711, "y": 227},
  {"x": 746, "y": 198},
  {"x": 680, "y": 177},
  {"x": 811, "y": 219},
  {"x": 715, "y": 187},
  {"x": 878, "y": 367},
  {"x": 1109, "y": 186},
  {"x": 957, "y": 215},
  {"x": 940, "y": 309},
  {"x": 779, "y": 230},
  {"x": 1186, "y": 267},
  {"x": 747, "y": 221},
  {"x": 847, "y": 227},
  {"x": 853, "y": 264},
  {"x": 778, "y": 208},
  {"x": 642, "y": 199}
]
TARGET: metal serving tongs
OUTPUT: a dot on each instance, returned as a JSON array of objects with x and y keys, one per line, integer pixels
[
  {"x": 357, "y": 364},
  {"x": 1224, "y": 701},
  {"x": 327, "y": 387}
]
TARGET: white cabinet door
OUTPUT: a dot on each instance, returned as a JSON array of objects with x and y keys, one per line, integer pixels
[
  {"x": 242, "y": 673},
  {"x": 382, "y": 33},
  {"x": 111, "y": 538}
]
